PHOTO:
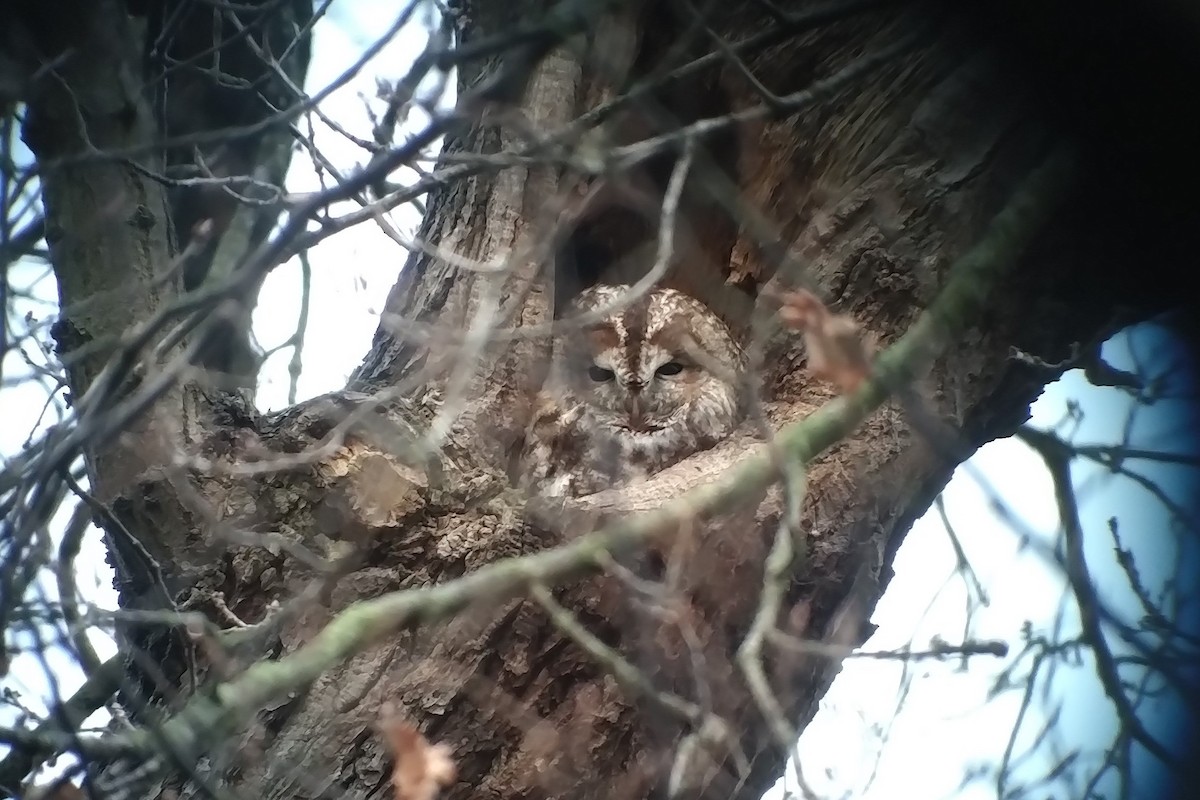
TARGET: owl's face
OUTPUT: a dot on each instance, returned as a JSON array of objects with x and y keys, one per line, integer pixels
[{"x": 662, "y": 365}]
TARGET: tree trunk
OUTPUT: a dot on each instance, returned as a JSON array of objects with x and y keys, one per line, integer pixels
[{"x": 873, "y": 190}]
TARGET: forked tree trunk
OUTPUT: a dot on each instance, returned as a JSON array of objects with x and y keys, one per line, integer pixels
[{"x": 874, "y": 191}]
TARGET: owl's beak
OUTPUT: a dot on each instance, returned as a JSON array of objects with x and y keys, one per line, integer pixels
[{"x": 634, "y": 407}]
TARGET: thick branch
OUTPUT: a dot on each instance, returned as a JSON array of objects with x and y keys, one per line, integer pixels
[{"x": 106, "y": 224}]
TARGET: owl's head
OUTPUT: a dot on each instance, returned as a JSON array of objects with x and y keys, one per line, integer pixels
[{"x": 662, "y": 363}]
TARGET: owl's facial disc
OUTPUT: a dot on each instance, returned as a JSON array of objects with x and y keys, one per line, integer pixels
[
  {"x": 618, "y": 394},
  {"x": 638, "y": 371}
]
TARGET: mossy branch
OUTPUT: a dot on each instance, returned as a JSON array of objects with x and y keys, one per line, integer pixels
[{"x": 972, "y": 278}]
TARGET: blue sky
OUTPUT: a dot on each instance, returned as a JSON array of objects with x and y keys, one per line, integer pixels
[{"x": 948, "y": 725}]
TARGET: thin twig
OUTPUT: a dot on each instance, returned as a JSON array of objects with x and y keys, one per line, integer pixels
[{"x": 208, "y": 718}]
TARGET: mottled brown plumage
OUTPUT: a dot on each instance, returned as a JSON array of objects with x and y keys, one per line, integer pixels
[{"x": 643, "y": 388}]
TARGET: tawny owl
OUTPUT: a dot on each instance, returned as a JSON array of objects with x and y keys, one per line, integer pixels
[{"x": 631, "y": 394}]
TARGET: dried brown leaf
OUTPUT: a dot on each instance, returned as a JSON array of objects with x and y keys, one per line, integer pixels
[
  {"x": 422, "y": 769},
  {"x": 838, "y": 351}
]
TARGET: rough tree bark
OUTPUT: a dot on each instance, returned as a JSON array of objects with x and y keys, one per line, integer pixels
[
  {"x": 874, "y": 189},
  {"x": 143, "y": 82}
]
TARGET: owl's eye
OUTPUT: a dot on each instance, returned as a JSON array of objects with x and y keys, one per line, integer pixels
[
  {"x": 600, "y": 374},
  {"x": 669, "y": 368}
]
